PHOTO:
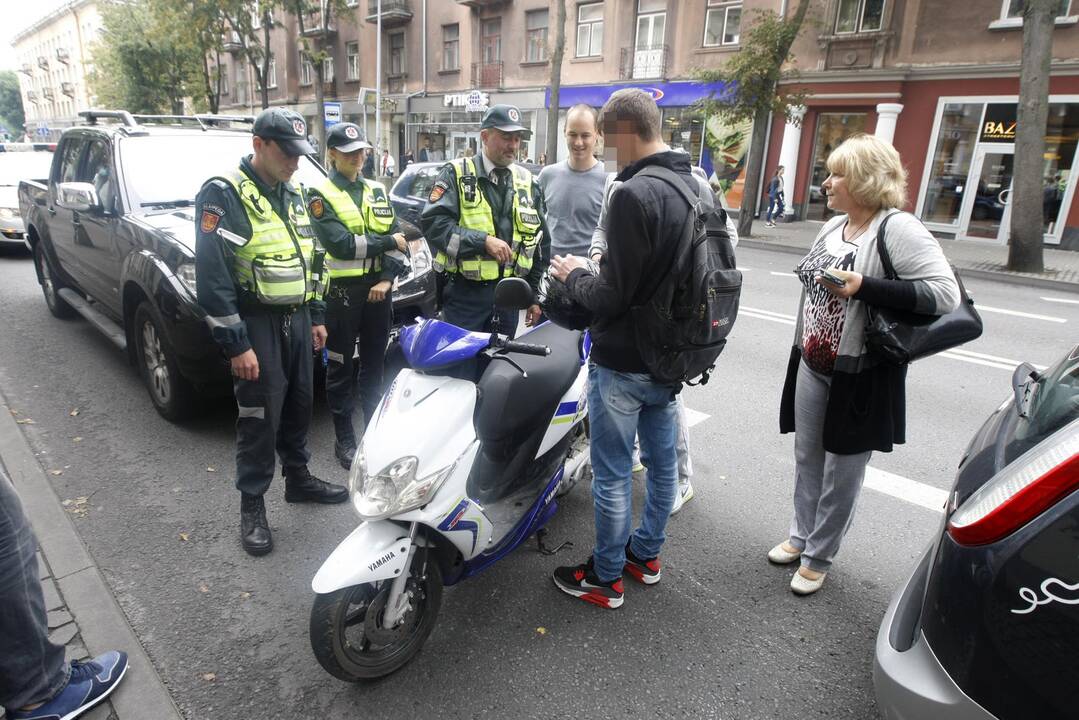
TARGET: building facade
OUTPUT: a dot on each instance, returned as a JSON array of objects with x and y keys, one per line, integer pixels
[{"x": 53, "y": 61}]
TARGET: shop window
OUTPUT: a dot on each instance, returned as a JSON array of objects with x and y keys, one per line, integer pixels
[
  {"x": 590, "y": 30},
  {"x": 1061, "y": 140},
  {"x": 832, "y": 130},
  {"x": 859, "y": 16},
  {"x": 536, "y": 40},
  {"x": 960, "y": 124},
  {"x": 683, "y": 129},
  {"x": 352, "y": 60},
  {"x": 451, "y": 47},
  {"x": 722, "y": 23}
]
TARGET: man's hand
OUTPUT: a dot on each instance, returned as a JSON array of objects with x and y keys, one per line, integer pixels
[
  {"x": 498, "y": 249},
  {"x": 246, "y": 366},
  {"x": 402, "y": 243},
  {"x": 379, "y": 290},
  {"x": 532, "y": 315},
  {"x": 597, "y": 257},
  {"x": 318, "y": 337},
  {"x": 854, "y": 282},
  {"x": 561, "y": 266}
]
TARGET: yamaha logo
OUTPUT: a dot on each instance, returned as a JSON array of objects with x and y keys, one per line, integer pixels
[{"x": 351, "y": 133}]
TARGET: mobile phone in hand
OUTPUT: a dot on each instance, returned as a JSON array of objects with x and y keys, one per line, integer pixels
[{"x": 832, "y": 279}]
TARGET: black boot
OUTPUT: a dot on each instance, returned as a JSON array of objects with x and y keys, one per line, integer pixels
[
  {"x": 254, "y": 530},
  {"x": 344, "y": 452},
  {"x": 302, "y": 486}
]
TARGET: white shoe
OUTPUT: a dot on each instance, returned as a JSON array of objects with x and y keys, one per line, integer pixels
[
  {"x": 801, "y": 585},
  {"x": 685, "y": 494},
  {"x": 781, "y": 556}
]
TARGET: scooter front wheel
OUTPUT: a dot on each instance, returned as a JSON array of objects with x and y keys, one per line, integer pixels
[{"x": 349, "y": 638}]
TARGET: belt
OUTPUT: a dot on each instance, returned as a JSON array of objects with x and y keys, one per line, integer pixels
[
  {"x": 248, "y": 308},
  {"x": 458, "y": 277}
]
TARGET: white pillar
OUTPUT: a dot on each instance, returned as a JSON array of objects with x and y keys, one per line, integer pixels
[
  {"x": 788, "y": 154},
  {"x": 887, "y": 117}
]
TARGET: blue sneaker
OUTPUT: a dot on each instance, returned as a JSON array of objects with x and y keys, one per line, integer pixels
[{"x": 90, "y": 683}]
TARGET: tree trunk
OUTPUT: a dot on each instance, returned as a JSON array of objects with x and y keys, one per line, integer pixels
[
  {"x": 556, "y": 84},
  {"x": 211, "y": 96},
  {"x": 1028, "y": 216},
  {"x": 267, "y": 21},
  {"x": 754, "y": 161}
]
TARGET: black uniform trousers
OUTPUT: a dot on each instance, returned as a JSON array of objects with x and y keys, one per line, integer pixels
[
  {"x": 275, "y": 410},
  {"x": 470, "y": 304},
  {"x": 350, "y": 315}
]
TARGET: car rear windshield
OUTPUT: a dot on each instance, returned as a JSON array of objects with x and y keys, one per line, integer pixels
[
  {"x": 166, "y": 168},
  {"x": 18, "y": 166},
  {"x": 1054, "y": 404}
]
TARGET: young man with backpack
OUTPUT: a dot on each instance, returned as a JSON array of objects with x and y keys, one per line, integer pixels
[{"x": 663, "y": 303}]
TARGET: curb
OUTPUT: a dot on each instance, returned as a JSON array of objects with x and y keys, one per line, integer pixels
[
  {"x": 98, "y": 616},
  {"x": 1004, "y": 277}
]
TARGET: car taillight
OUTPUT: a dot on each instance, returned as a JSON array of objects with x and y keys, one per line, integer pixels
[{"x": 1021, "y": 491}]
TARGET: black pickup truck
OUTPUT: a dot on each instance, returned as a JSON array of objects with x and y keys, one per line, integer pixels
[{"x": 113, "y": 236}]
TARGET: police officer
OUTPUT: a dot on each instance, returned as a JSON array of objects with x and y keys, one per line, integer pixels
[
  {"x": 354, "y": 221},
  {"x": 258, "y": 276},
  {"x": 484, "y": 218}
]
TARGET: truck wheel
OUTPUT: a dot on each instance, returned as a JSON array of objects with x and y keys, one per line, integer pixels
[
  {"x": 51, "y": 284},
  {"x": 173, "y": 396}
]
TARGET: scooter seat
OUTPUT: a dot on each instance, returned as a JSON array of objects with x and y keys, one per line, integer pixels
[{"x": 510, "y": 405}]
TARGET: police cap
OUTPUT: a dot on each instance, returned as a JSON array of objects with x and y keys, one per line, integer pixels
[
  {"x": 506, "y": 118},
  {"x": 285, "y": 127},
  {"x": 346, "y": 137}
]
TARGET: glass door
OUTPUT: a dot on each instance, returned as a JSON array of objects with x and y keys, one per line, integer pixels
[
  {"x": 832, "y": 130},
  {"x": 648, "y": 49},
  {"x": 987, "y": 210}
]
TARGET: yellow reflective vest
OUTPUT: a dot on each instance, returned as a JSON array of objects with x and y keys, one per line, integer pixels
[
  {"x": 477, "y": 214},
  {"x": 376, "y": 217},
  {"x": 276, "y": 264}
]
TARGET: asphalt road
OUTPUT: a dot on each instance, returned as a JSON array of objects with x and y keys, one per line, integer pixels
[{"x": 721, "y": 637}]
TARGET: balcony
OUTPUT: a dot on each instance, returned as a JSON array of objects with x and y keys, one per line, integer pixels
[
  {"x": 855, "y": 51},
  {"x": 43, "y": 62},
  {"x": 68, "y": 88},
  {"x": 27, "y": 69},
  {"x": 644, "y": 63},
  {"x": 61, "y": 55},
  {"x": 232, "y": 42},
  {"x": 46, "y": 92},
  {"x": 394, "y": 12},
  {"x": 481, "y": 3},
  {"x": 312, "y": 25},
  {"x": 487, "y": 75},
  {"x": 31, "y": 95}
]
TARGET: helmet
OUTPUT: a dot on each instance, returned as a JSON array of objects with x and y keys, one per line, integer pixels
[{"x": 559, "y": 306}]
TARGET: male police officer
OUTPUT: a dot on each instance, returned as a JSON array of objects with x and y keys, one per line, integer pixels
[
  {"x": 484, "y": 220},
  {"x": 257, "y": 272},
  {"x": 354, "y": 221}
]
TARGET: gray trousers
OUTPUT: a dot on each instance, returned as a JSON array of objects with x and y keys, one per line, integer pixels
[
  {"x": 826, "y": 485},
  {"x": 32, "y": 669},
  {"x": 681, "y": 444}
]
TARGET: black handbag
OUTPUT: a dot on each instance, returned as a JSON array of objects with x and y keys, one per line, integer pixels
[{"x": 900, "y": 336}]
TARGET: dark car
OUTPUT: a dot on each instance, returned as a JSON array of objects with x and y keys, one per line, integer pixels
[
  {"x": 987, "y": 626},
  {"x": 412, "y": 189},
  {"x": 18, "y": 161}
]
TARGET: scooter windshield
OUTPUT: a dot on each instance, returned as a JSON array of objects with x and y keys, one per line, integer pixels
[{"x": 434, "y": 344}]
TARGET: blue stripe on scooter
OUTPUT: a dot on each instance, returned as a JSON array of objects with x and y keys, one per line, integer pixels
[{"x": 566, "y": 408}]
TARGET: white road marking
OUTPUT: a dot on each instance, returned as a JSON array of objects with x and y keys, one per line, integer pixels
[
  {"x": 1016, "y": 313},
  {"x": 782, "y": 274},
  {"x": 695, "y": 417},
  {"x": 766, "y": 315},
  {"x": 1061, "y": 300},
  {"x": 744, "y": 269},
  {"x": 905, "y": 489}
]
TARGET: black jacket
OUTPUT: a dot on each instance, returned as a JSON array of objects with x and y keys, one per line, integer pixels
[{"x": 646, "y": 219}]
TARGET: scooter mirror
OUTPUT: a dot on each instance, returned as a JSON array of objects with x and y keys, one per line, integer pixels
[{"x": 513, "y": 293}]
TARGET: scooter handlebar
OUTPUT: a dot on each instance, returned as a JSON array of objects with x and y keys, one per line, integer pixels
[{"x": 526, "y": 348}]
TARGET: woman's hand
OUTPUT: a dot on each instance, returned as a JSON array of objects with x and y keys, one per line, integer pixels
[
  {"x": 853, "y": 282},
  {"x": 379, "y": 290}
]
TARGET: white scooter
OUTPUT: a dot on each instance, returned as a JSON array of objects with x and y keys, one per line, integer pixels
[{"x": 452, "y": 475}]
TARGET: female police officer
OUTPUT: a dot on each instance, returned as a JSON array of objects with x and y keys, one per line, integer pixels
[{"x": 354, "y": 221}]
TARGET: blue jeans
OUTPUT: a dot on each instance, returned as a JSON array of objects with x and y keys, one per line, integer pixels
[
  {"x": 775, "y": 208},
  {"x": 619, "y": 406},
  {"x": 32, "y": 669}
]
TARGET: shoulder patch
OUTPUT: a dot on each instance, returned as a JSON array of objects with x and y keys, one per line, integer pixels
[
  {"x": 316, "y": 207},
  {"x": 438, "y": 191},
  {"x": 209, "y": 221}
]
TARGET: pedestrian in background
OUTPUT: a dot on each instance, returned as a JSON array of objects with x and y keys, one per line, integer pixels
[
  {"x": 407, "y": 159},
  {"x": 775, "y": 198},
  {"x": 258, "y": 279},
  {"x": 35, "y": 681},
  {"x": 573, "y": 188},
  {"x": 839, "y": 400},
  {"x": 646, "y": 218},
  {"x": 355, "y": 222},
  {"x": 388, "y": 165},
  {"x": 369, "y": 166}
]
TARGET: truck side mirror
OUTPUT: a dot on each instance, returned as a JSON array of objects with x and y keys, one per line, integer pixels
[{"x": 78, "y": 196}]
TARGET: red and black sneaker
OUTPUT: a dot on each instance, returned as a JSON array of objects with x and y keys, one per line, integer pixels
[
  {"x": 580, "y": 581},
  {"x": 643, "y": 571}
]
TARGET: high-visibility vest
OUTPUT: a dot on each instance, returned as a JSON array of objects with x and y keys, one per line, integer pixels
[
  {"x": 275, "y": 265},
  {"x": 376, "y": 217},
  {"x": 477, "y": 214}
]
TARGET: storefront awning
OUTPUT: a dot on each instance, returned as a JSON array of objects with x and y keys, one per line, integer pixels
[{"x": 667, "y": 94}]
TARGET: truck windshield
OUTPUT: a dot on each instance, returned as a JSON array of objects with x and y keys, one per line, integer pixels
[{"x": 163, "y": 169}]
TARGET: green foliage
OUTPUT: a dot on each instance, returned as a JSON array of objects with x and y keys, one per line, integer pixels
[{"x": 11, "y": 111}]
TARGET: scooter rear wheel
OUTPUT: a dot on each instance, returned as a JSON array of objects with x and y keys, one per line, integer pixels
[{"x": 347, "y": 635}]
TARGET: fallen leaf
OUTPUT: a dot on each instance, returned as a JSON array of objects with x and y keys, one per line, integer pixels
[
  {"x": 74, "y": 412},
  {"x": 77, "y": 438},
  {"x": 204, "y": 588},
  {"x": 245, "y": 595},
  {"x": 183, "y": 537},
  {"x": 211, "y": 469},
  {"x": 209, "y": 677},
  {"x": 25, "y": 421},
  {"x": 56, "y": 472},
  {"x": 77, "y": 507},
  {"x": 541, "y": 631}
]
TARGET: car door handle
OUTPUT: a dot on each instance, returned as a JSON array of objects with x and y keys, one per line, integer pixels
[{"x": 52, "y": 212}]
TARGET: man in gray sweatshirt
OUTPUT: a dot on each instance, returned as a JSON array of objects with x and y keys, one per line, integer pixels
[{"x": 573, "y": 189}]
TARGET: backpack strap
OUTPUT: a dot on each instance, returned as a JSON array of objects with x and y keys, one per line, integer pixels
[{"x": 674, "y": 180}]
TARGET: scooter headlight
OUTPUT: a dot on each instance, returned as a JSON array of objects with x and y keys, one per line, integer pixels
[{"x": 395, "y": 489}]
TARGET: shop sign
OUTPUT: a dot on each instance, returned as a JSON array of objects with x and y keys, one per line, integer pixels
[
  {"x": 474, "y": 101},
  {"x": 999, "y": 124},
  {"x": 672, "y": 94}
]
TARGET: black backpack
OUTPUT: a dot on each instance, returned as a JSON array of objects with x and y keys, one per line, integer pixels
[{"x": 683, "y": 325}]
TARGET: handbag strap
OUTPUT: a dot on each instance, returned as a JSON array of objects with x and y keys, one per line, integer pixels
[{"x": 882, "y": 249}]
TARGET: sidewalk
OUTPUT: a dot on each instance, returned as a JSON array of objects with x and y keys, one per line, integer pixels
[
  {"x": 974, "y": 259},
  {"x": 83, "y": 614}
]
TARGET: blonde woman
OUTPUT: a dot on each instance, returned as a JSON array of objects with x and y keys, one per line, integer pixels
[{"x": 840, "y": 401}]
